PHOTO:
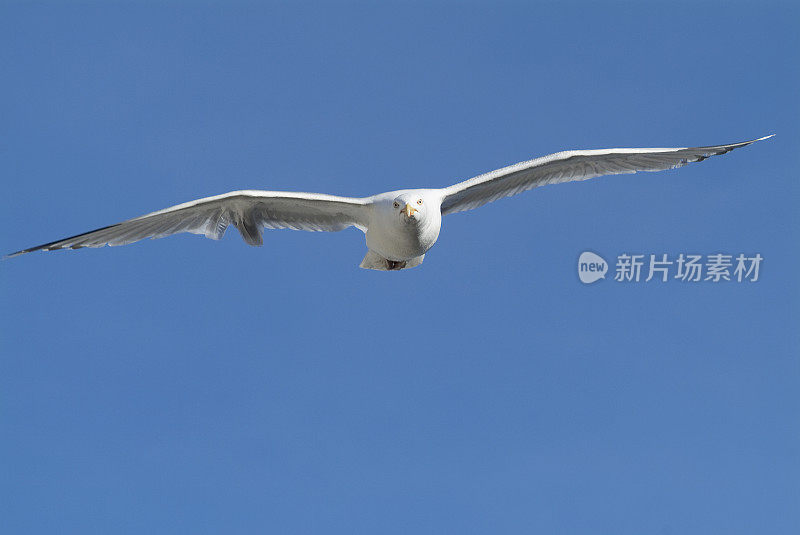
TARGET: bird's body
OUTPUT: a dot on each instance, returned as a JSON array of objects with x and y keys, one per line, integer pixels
[
  {"x": 400, "y": 226},
  {"x": 399, "y": 237}
]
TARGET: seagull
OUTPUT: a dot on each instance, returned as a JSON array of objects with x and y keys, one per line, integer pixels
[{"x": 400, "y": 226}]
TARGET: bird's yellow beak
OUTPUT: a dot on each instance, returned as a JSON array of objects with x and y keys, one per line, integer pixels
[{"x": 409, "y": 210}]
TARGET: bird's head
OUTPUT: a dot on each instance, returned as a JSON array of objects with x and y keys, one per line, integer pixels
[{"x": 410, "y": 206}]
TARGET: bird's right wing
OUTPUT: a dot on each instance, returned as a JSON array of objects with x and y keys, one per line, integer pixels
[
  {"x": 571, "y": 165},
  {"x": 248, "y": 210}
]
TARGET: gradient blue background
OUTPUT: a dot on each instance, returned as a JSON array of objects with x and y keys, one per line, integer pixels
[{"x": 190, "y": 386}]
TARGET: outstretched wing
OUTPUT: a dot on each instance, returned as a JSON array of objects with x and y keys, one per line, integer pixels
[
  {"x": 571, "y": 165},
  {"x": 248, "y": 210}
]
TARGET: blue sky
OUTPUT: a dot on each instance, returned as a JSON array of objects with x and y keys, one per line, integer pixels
[{"x": 185, "y": 385}]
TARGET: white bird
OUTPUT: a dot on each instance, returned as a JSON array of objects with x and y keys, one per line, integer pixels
[{"x": 400, "y": 226}]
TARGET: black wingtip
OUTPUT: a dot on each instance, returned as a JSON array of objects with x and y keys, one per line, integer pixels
[
  {"x": 55, "y": 245},
  {"x": 12, "y": 255}
]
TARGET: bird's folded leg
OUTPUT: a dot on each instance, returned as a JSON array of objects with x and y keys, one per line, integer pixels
[{"x": 373, "y": 260}]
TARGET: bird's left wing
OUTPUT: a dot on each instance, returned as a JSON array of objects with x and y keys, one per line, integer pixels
[
  {"x": 248, "y": 210},
  {"x": 571, "y": 165}
]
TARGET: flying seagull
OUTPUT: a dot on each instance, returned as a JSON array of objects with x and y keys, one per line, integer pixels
[{"x": 400, "y": 226}]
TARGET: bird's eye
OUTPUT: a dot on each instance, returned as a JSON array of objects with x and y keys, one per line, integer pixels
[
  {"x": 396, "y": 204},
  {"x": 419, "y": 201}
]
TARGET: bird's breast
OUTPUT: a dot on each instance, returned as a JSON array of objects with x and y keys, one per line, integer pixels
[{"x": 398, "y": 240}]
